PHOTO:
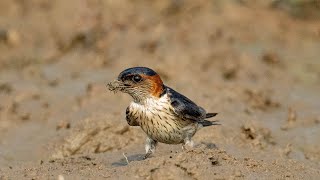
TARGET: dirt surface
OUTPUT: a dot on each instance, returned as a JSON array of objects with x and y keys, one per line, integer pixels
[{"x": 256, "y": 63}]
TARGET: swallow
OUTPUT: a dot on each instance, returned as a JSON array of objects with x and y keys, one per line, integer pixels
[{"x": 165, "y": 115}]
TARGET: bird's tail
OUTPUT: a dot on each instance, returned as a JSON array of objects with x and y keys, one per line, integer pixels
[
  {"x": 209, "y": 123},
  {"x": 205, "y": 123}
]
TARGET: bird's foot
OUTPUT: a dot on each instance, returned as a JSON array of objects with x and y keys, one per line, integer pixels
[
  {"x": 150, "y": 147},
  {"x": 188, "y": 145},
  {"x": 147, "y": 155}
]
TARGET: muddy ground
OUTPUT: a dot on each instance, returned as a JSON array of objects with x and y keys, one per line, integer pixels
[{"x": 256, "y": 63}]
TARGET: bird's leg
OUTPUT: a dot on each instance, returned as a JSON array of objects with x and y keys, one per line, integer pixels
[
  {"x": 187, "y": 143},
  {"x": 150, "y": 147}
]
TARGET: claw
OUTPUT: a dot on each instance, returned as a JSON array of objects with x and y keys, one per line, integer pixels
[{"x": 147, "y": 155}]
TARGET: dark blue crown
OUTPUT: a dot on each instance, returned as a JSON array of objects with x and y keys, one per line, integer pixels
[{"x": 137, "y": 70}]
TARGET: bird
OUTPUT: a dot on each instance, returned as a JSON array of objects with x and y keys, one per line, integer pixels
[{"x": 165, "y": 115}]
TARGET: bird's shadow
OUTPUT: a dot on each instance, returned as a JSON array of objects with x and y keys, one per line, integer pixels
[
  {"x": 124, "y": 161},
  {"x": 208, "y": 145},
  {"x": 140, "y": 157}
]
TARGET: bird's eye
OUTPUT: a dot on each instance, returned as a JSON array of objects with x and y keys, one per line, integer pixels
[{"x": 136, "y": 78}]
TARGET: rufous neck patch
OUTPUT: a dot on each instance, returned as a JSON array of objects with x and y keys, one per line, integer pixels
[{"x": 157, "y": 85}]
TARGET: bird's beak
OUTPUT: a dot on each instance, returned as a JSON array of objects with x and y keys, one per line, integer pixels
[{"x": 116, "y": 86}]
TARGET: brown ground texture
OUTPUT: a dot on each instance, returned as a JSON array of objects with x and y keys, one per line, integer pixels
[{"x": 256, "y": 63}]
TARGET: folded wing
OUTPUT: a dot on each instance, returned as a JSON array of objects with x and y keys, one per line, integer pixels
[{"x": 185, "y": 108}]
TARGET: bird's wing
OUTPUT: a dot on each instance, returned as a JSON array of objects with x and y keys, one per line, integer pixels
[
  {"x": 131, "y": 120},
  {"x": 184, "y": 107}
]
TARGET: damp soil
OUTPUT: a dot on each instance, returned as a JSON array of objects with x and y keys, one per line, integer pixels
[{"x": 256, "y": 63}]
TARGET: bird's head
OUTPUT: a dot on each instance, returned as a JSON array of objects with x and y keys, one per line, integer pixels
[{"x": 139, "y": 82}]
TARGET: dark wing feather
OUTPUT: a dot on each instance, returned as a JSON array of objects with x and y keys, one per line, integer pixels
[
  {"x": 130, "y": 119},
  {"x": 210, "y": 115},
  {"x": 184, "y": 107}
]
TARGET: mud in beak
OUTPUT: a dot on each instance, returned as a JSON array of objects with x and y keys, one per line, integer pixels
[{"x": 116, "y": 86}]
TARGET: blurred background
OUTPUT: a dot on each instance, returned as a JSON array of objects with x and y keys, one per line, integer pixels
[{"x": 254, "y": 62}]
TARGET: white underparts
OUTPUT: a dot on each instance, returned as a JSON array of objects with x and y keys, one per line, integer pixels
[{"x": 158, "y": 120}]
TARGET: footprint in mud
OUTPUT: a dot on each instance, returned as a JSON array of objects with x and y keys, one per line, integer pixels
[{"x": 124, "y": 161}]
